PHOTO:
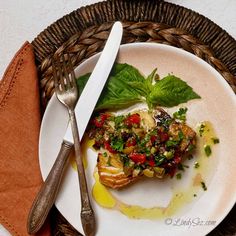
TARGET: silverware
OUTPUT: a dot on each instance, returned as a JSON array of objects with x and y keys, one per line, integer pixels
[
  {"x": 48, "y": 192},
  {"x": 67, "y": 94}
]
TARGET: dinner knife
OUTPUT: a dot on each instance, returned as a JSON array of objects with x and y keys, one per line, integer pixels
[{"x": 84, "y": 108}]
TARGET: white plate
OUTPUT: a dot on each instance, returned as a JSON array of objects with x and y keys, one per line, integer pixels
[{"x": 198, "y": 216}]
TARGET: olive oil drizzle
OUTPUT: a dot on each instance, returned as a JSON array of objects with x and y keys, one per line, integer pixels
[{"x": 104, "y": 198}]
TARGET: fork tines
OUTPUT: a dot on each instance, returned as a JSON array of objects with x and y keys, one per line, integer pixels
[{"x": 63, "y": 72}]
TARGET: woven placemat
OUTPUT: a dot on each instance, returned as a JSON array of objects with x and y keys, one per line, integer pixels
[{"x": 83, "y": 33}]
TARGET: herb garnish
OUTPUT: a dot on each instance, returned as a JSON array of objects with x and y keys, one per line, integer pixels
[
  {"x": 181, "y": 114},
  {"x": 196, "y": 165},
  {"x": 127, "y": 86},
  {"x": 204, "y": 186},
  {"x": 207, "y": 149},
  {"x": 215, "y": 140},
  {"x": 202, "y": 129},
  {"x": 178, "y": 176},
  {"x": 117, "y": 144}
]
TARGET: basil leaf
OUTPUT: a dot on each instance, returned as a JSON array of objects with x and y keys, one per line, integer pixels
[
  {"x": 81, "y": 82},
  {"x": 123, "y": 88},
  {"x": 127, "y": 86},
  {"x": 131, "y": 78},
  {"x": 150, "y": 79},
  {"x": 171, "y": 91}
]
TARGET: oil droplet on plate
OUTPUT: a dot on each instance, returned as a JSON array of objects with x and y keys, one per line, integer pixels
[
  {"x": 86, "y": 143},
  {"x": 102, "y": 195}
]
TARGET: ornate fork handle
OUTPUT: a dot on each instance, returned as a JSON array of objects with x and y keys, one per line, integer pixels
[
  {"x": 87, "y": 213},
  {"x": 48, "y": 192}
]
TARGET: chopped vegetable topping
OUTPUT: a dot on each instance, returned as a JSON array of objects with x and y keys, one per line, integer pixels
[
  {"x": 196, "y": 165},
  {"x": 178, "y": 176},
  {"x": 207, "y": 149},
  {"x": 100, "y": 120},
  {"x": 181, "y": 114},
  {"x": 127, "y": 142},
  {"x": 138, "y": 157},
  {"x": 215, "y": 140},
  {"x": 133, "y": 119},
  {"x": 182, "y": 167},
  {"x": 117, "y": 144},
  {"x": 204, "y": 186},
  {"x": 202, "y": 129}
]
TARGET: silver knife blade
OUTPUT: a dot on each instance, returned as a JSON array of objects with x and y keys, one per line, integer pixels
[{"x": 93, "y": 88}]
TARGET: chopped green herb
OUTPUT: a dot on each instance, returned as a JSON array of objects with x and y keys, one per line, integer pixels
[
  {"x": 204, "y": 186},
  {"x": 105, "y": 154},
  {"x": 178, "y": 176},
  {"x": 202, "y": 129},
  {"x": 147, "y": 151},
  {"x": 118, "y": 121},
  {"x": 215, "y": 140},
  {"x": 181, "y": 114},
  {"x": 190, "y": 157},
  {"x": 144, "y": 141},
  {"x": 182, "y": 166},
  {"x": 181, "y": 135},
  {"x": 125, "y": 159},
  {"x": 196, "y": 165},
  {"x": 191, "y": 147},
  {"x": 159, "y": 159},
  {"x": 137, "y": 167},
  {"x": 165, "y": 122},
  {"x": 172, "y": 143},
  {"x": 109, "y": 161},
  {"x": 207, "y": 149},
  {"x": 117, "y": 144}
]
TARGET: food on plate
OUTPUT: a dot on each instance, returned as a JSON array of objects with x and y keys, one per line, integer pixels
[
  {"x": 143, "y": 143},
  {"x": 147, "y": 143}
]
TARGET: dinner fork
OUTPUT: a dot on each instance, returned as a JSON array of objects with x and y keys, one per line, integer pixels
[{"x": 67, "y": 93}]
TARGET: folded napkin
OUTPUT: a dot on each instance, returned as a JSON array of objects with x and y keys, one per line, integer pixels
[{"x": 20, "y": 177}]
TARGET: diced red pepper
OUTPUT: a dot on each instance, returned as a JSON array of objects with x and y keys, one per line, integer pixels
[
  {"x": 172, "y": 171},
  {"x": 131, "y": 142},
  {"x": 137, "y": 157},
  {"x": 108, "y": 147},
  {"x": 177, "y": 159},
  {"x": 153, "y": 138},
  {"x": 163, "y": 136},
  {"x": 100, "y": 120},
  {"x": 133, "y": 119},
  {"x": 151, "y": 163}
]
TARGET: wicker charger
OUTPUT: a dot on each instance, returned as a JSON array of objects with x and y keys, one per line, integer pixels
[{"x": 83, "y": 33}]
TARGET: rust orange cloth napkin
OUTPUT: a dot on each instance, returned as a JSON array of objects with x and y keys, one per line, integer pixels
[{"x": 20, "y": 176}]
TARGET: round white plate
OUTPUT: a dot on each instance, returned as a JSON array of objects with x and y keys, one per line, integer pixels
[{"x": 198, "y": 216}]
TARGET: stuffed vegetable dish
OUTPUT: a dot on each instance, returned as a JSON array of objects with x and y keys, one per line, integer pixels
[{"x": 143, "y": 143}]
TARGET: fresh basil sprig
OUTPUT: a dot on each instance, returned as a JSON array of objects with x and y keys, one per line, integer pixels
[{"x": 127, "y": 86}]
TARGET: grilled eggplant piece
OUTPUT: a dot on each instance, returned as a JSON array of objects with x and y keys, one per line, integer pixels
[
  {"x": 142, "y": 143},
  {"x": 112, "y": 172}
]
